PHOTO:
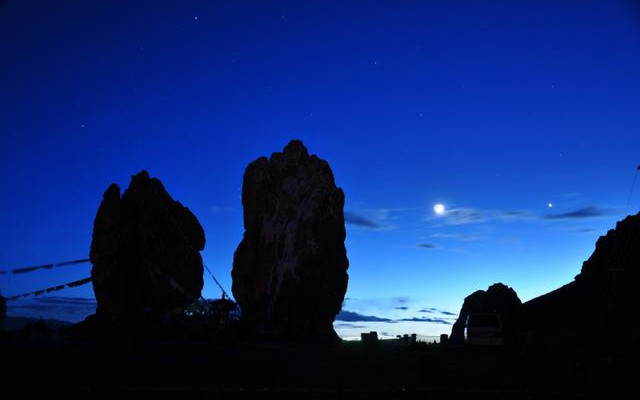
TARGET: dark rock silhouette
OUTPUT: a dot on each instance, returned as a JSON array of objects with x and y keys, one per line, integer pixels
[
  {"x": 3, "y": 309},
  {"x": 290, "y": 270},
  {"x": 600, "y": 307},
  {"x": 497, "y": 298},
  {"x": 145, "y": 250}
]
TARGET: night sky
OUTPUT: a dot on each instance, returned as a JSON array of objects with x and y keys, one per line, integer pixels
[{"x": 521, "y": 118}]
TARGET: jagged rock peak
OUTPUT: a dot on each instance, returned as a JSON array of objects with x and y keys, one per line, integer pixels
[
  {"x": 620, "y": 248},
  {"x": 296, "y": 150}
]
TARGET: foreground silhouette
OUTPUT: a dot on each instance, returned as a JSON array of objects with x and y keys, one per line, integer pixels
[{"x": 276, "y": 370}]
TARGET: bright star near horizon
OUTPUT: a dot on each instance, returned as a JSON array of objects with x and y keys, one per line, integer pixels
[{"x": 439, "y": 209}]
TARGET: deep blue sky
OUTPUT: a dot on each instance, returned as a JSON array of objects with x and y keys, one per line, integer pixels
[{"x": 495, "y": 109}]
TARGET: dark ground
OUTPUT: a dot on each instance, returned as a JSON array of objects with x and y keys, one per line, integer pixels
[{"x": 243, "y": 370}]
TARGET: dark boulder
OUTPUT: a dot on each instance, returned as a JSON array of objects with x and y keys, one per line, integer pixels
[
  {"x": 600, "y": 307},
  {"x": 3, "y": 309},
  {"x": 498, "y": 298},
  {"x": 145, "y": 250},
  {"x": 290, "y": 270}
]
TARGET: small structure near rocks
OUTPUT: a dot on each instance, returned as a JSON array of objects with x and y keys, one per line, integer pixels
[
  {"x": 145, "y": 250},
  {"x": 369, "y": 338},
  {"x": 290, "y": 270}
]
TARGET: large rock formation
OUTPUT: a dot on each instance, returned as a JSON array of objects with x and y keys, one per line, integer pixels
[
  {"x": 145, "y": 250},
  {"x": 497, "y": 298},
  {"x": 601, "y": 305},
  {"x": 290, "y": 270}
]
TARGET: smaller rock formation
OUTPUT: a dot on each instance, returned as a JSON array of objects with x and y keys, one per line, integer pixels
[
  {"x": 497, "y": 298},
  {"x": 290, "y": 270},
  {"x": 145, "y": 250}
]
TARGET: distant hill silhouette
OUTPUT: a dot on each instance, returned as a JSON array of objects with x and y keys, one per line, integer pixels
[{"x": 15, "y": 324}]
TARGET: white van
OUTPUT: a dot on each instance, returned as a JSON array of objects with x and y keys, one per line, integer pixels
[{"x": 484, "y": 329}]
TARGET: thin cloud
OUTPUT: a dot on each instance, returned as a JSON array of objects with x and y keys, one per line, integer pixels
[
  {"x": 433, "y": 310},
  {"x": 373, "y": 218},
  {"x": 379, "y": 306},
  {"x": 426, "y": 319},
  {"x": 401, "y": 299},
  {"x": 360, "y": 221},
  {"x": 515, "y": 214},
  {"x": 456, "y": 236},
  {"x": 347, "y": 325},
  {"x": 350, "y": 316},
  {"x": 347, "y": 318},
  {"x": 61, "y": 300},
  {"x": 61, "y": 308},
  {"x": 582, "y": 213},
  {"x": 468, "y": 215},
  {"x": 463, "y": 216}
]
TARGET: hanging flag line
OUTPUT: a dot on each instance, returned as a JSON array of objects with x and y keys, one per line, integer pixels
[
  {"x": 25, "y": 270},
  {"x": 224, "y": 293},
  {"x": 73, "y": 284},
  {"x": 174, "y": 284}
]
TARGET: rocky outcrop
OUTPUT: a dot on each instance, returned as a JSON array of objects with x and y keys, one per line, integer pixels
[
  {"x": 498, "y": 298},
  {"x": 290, "y": 270},
  {"x": 600, "y": 306},
  {"x": 145, "y": 250}
]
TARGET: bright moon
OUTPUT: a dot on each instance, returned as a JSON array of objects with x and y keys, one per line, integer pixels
[{"x": 439, "y": 209}]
